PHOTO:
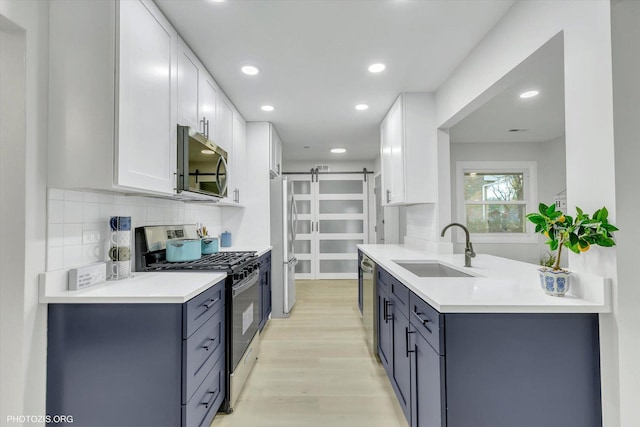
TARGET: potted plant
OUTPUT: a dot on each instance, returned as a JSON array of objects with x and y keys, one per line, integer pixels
[{"x": 576, "y": 234}]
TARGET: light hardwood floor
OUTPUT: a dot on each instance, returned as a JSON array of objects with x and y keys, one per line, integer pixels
[{"x": 314, "y": 368}]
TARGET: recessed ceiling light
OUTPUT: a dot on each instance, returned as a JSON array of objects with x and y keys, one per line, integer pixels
[
  {"x": 338, "y": 150},
  {"x": 250, "y": 70},
  {"x": 207, "y": 152},
  {"x": 267, "y": 108},
  {"x": 218, "y": 1},
  {"x": 376, "y": 68},
  {"x": 362, "y": 107},
  {"x": 529, "y": 94}
]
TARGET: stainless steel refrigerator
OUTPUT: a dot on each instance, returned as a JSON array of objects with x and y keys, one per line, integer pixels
[{"x": 284, "y": 219}]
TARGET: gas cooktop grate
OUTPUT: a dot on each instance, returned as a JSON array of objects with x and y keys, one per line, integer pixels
[{"x": 222, "y": 261}]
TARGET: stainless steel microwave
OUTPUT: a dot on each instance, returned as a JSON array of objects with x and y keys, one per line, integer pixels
[{"x": 202, "y": 165}]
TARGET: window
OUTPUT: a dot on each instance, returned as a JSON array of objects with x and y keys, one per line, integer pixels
[{"x": 494, "y": 199}]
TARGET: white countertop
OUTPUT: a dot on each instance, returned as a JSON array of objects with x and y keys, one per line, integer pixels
[
  {"x": 500, "y": 285},
  {"x": 154, "y": 287}
]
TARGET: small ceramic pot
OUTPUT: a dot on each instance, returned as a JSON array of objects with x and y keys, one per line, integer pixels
[
  {"x": 554, "y": 282},
  {"x": 209, "y": 245}
]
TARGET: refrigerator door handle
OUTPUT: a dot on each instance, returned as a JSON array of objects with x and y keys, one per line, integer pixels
[{"x": 294, "y": 217}]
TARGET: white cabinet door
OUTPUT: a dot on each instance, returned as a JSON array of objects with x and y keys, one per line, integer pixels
[
  {"x": 275, "y": 149},
  {"x": 188, "y": 88},
  {"x": 396, "y": 136},
  {"x": 237, "y": 178},
  {"x": 408, "y": 150},
  {"x": 147, "y": 90},
  {"x": 224, "y": 125},
  {"x": 207, "y": 106},
  {"x": 385, "y": 155}
]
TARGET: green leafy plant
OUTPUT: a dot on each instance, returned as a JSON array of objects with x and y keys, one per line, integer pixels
[{"x": 577, "y": 234}]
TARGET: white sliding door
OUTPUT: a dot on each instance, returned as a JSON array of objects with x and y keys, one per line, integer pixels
[
  {"x": 303, "y": 246},
  {"x": 332, "y": 220}
]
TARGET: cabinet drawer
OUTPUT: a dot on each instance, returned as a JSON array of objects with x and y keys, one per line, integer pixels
[
  {"x": 201, "y": 307},
  {"x": 207, "y": 399},
  {"x": 384, "y": 278},
  {"x": 428, "y": 322},
  {"x": 200, "y": 352},
  {"x": 399, "y": 293}
]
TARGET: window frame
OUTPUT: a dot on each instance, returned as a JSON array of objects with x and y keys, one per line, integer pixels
[{"x": 529, "y": 169}]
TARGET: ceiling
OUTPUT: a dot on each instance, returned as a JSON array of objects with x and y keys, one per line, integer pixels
[
  {"x": 540, "y": 118},
  {"x": 314, "y": 54}
]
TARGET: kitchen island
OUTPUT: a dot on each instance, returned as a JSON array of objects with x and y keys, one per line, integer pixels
[{"x": 490, "y": 349}]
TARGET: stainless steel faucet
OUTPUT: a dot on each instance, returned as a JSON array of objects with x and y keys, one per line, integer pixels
[{"x": 468, "y": 250}]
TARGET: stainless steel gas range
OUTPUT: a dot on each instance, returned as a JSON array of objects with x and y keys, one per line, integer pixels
[{"x": 242, "y": 307}]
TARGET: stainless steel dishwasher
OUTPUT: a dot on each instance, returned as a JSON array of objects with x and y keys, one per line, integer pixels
[{"x": 369, "y": 306}]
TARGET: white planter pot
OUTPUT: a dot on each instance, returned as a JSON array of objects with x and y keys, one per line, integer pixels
[{"x": 554, "y": 282}]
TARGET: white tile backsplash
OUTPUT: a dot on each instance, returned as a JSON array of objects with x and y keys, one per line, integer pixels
[
  {"x": 72, "y": 234},
  {"x": 73, "y": 211},
  {"x": 55, "y": 235},
  {"x": 55, "y": 211},
  {"x": 77, "y": 218},
  {"x": 91, "y": 212},
  {"x": 55, "y": 258}
]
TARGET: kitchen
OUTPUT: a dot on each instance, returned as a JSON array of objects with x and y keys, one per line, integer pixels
[{"x": 592, "y": 116}]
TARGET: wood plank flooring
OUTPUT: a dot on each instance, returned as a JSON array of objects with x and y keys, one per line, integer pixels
[{"x": 314, "y": 368}]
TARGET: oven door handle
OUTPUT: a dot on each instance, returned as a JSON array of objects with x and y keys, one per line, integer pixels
[{"x": 243, "y": 286}]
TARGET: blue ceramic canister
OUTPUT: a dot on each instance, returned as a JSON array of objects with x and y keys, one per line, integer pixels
[
  {"x": 209, "y": 245},
  {"x": 225, "y": 239}
]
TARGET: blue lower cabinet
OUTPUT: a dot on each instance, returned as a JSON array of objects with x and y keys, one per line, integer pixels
[
  {"x": 488, "y": 369},
  {"x": 427, "y": 383},
  {"x": 265, "y": 289},
  {"x": 401, "y": 380},
  {"x": 385, "y": 331},
  {"x": 202, "y": 408},
  {"x": 123, "y": 365},
  {"x": 360, "y": 277}
]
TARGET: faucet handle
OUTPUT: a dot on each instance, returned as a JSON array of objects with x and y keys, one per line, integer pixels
[{"x": 469, "y": 251}]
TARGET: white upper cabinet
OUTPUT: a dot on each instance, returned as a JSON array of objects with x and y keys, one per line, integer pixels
[
  {"x": 207, "y": 106},
  {"x": 189, "y": 71},
  {"x": 112, "y": 130},
  {"x": 146, "y": 143},
  {"x": 197, "y": 93},
  {"x": 275, "y": 150},
  {"x": 224, "y": 124},
  {"x": 238, "y": 166},
  {"x": 408, "y": 150}
]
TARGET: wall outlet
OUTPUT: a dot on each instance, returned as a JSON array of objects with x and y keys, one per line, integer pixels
[{"x": 91, "y": 236}]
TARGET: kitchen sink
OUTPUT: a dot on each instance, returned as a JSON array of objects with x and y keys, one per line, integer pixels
[{"x": 430, "y": 269}]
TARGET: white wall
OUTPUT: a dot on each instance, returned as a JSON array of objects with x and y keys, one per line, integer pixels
[
  {"x": 588, "y": 122},
  {"x": 550, "y": 160},
  {"x": 626, "y": 92},
  {"x": 12, "y": 227},
  {"x": 26, "y": 359}
]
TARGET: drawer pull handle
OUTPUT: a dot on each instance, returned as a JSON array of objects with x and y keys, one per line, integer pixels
[
  {"x": 207, "y": 347},
  {"x": 406, "y": 341},
  {"x": 423, "y": 321},
  {"x": 211, "y": 302},
  {"x": 387, "y": 316},
  {"x": 210, "y": 401}
]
